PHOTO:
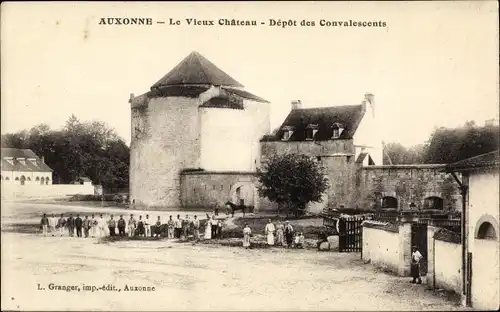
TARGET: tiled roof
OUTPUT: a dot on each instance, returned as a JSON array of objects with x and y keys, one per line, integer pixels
[
  {"x": 18, "y": 166},
  {"x": 487, "y": 160},
  {"x": 195, "y": 69},
  {"x": 348, "y": 116}
]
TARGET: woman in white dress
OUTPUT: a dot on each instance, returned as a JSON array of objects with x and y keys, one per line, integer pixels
[
  {"x": 246, "y": 236},
  {"x": 208, "y": 229},
  {"x": 269, "y": 230}
]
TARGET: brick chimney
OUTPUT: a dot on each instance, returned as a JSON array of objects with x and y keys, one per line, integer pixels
[
  {"x": 296, "y": 104},
  {"x": 370, "y": 98}
]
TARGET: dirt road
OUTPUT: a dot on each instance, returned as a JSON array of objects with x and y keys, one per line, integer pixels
[{"x": 194, "y": 277}]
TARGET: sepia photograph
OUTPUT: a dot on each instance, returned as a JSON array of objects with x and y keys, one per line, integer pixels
[{"x": 250, "y": 156}]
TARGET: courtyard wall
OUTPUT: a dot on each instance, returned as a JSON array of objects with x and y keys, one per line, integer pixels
[{"x": 33, "y": 191}]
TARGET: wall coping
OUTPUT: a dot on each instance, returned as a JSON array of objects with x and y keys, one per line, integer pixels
[
  {"x": 447, "y": 236},
  {"x": 411, "y": 166},
  {"x": 203, "y": 172},
  {"x": 381, "y": 226}
]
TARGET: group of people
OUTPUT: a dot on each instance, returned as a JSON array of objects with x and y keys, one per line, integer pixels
[
  {"x": 100, "y": 227},
  {"x": 279, "y": 234}
]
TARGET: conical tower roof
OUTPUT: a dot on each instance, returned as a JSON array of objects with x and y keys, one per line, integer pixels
[{"x": 195, "y": 69}]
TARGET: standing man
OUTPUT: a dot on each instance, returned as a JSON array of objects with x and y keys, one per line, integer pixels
[
  {"x": 288, "y": 234},
  {"x": 61, "y": 223},
  {"x": 269, "y": 231},
  {"x": 71, "y": 225},
  {"x": 86, "y": 226},
  {"x": 111, "y": 226},
  {"x": 53, "y": 224},
  {"x": 185, "y": 227},
  {"x": 101, "y": 224},
  {"x": 196, "y": 228},
  {"x": 78, "y": 225},
  {"x": 170, "y": 227},
  {"x": 121, "y": 226},
  {"x": 131, "y": 226},
  {"x": 93, "y": 226},
  {"x": 158, "y": 227},
  {"x": 44, "y": 223},
  {"x": 147, "y": 226},
  {"x": 178, "y": 227},
  {"x": 213, "y": 223},
  {"x": 416, "y": 256}
]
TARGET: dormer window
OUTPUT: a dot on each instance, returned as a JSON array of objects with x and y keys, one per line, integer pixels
[
  {"x": 22, "y": 161},
  {"x": 33, "y": 161},
  {"x": 10, "y": 160},
  {"x": 337, "y": 131},
  {"x": 311, "y": 131},
  {"x": 287, "y": 133}
]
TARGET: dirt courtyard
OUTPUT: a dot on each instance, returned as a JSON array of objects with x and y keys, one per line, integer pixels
[{"x": 190, "y": 277}]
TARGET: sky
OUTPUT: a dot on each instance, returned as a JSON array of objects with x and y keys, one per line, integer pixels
[{"x": 435, "y": 64}]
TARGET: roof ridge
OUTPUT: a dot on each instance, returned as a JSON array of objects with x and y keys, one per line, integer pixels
[{"x": 196, "y": 57}]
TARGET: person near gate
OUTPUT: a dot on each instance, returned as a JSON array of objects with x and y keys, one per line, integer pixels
[
  {"x": 269, "y": 231},
  {"x": 78, "y": 225},
  {"x": 288, "y": 234},
  {"x": 416, "y": 257}
]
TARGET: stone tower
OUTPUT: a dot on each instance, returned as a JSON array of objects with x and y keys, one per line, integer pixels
[{"x": 195, "y": 117}]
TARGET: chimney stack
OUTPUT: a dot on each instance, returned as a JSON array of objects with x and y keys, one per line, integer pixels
[
  {"x": 296, "y": 104},
  {"x": 43, "y": 159},
  {"x": 370, "y": 98},
  {"x": 131, "y": 98}
]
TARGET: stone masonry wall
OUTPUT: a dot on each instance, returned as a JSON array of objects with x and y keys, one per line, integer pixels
[
  {"x": 408, "y": 184},
  {"x": 165, "y": 140}
]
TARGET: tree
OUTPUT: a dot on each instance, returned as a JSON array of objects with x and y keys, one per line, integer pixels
[
  {"x": 90, "y": 149},
  {"x": 292, "y": 180}
]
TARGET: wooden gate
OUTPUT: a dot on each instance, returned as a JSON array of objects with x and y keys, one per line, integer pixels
[
  {"x": 419, "y": 239},
  {"x": 350, "y": 234}
]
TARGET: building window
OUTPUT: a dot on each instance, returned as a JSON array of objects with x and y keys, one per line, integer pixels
[
  {"x": 222, "y": 187},
  {"x": 7, "y": 179},
  {"x": 42, "y": 181},
  {"x": 287, "y": 134},
  {"x": 47, "y": 181},
  {"x": 337, "y": 131},
  {"x": 486, "y": 231},
  {"x": 37, "y": 179},
  {"x": 23, "y": 179},
  {"x": 389, "y": 202},
  {"x": 433, "y": 202},
  {"x": 213, "y": 187},
  {"x": 318, "y": 158},
  {"x": 28, "y": 179}
]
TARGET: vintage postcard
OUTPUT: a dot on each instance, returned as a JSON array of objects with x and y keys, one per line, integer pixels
[{"x": 266, "y": 156}]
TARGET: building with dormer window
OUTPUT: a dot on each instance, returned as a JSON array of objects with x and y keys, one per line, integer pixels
[{"x": 23, "y": 167}]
